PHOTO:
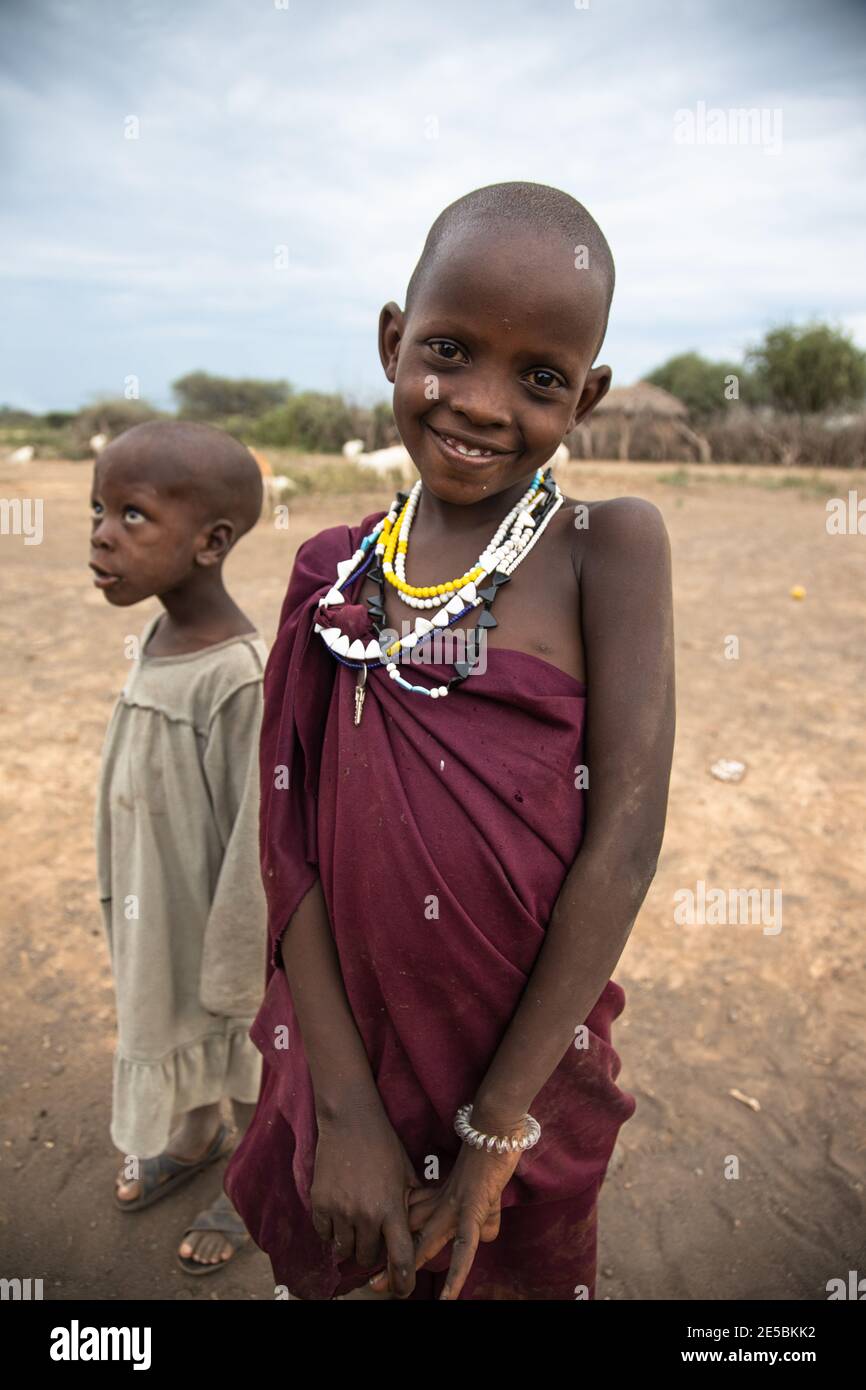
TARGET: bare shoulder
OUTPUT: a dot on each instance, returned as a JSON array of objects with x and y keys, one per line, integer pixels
[{"x": 619, "y": 531}]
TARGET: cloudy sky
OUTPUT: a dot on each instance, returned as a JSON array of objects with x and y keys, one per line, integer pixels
[{"x": 338, "y": 129}]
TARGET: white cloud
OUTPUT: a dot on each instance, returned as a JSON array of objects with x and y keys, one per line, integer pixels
[{"x": 309, "y": 128}]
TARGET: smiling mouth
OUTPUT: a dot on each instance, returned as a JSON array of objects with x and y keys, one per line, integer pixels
[
  {"x": 458, "y": 448},
  {"x": 102, "y": 578}
]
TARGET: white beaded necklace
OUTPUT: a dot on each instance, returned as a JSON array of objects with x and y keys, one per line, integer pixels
[
  {"x": 503, "y": 558},
  {"x": 511, "y": 537}
]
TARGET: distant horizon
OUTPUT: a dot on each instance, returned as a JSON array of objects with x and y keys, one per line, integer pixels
[
  {"x": 297, "y": 388},
  {"x": 239, "y": 189},
  {"x": 366, "y": 401}
]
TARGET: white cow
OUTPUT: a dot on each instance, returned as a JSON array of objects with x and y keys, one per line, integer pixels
[
  {"x": 381, "y": 461},
  {"x": 23, "y": 455},
  {"x": 275, "y": 486}
]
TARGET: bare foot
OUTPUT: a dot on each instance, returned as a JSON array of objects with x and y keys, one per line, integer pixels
[
  {"x": 210, "y": 1247},
  {"x": 189, "y": 1143}
]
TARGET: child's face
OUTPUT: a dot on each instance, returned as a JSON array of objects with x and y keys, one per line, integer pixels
[
  {"x": 143, "y": 541},
  {"x": 496, "y": 354}
]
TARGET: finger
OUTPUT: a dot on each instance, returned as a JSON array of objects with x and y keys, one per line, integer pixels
[
  {"x": 344, "y": 1238},
  {"x": 322, "y": 1224},
  {"x": 490, "y": 1229},
  {"x": 433, "y": 1236},
  {"x": 427, "y": 1243},
  {"x": 369, "y": 1245},
  {"x": 400, "y": 1273},
  {"x": 420, "y": 1213},
  {"x": 422, "y": 1194},
  {"x": 463, "y": 1253},
  {"x": 415, "y": 1191}
]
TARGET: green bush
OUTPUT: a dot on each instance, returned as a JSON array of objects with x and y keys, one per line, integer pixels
[
  {"x": 700, "y": 384},
  {"x": 201, "y": 396},
  {"x": 11, "y": 418},
  {"x": 311, "y": 420},
  {"x": 111, "y": 417},
  {"x": 806, "y": 370}
]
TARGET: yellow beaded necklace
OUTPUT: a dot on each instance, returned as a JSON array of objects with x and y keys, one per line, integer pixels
[{"x": 393, "y": 544}]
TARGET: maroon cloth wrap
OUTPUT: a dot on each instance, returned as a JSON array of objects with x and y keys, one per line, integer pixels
[
  {"x": 441, "y": 831},
  {"x": 353, "y": 619}
]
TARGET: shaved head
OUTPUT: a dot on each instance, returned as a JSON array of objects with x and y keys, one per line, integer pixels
[
  {"x": 502, "y": 208},
  {"x": 195, "y": 464}
]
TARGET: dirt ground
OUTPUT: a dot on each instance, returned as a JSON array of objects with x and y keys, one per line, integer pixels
[{"x": 710, "y": 1009}]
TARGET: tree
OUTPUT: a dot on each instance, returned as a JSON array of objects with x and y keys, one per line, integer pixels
[
  {"x": 201, "y": 396},
  {"x": 112, "y": 417},
  {"x": 701, "y": 384},
  {"x": 312, "y": 420},
  {"x": 809, "y": 369}
]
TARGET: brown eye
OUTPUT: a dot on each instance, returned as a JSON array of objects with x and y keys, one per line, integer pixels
[
  {"x": 444, "y": 348},
  {"x": 550, "y": 378}
]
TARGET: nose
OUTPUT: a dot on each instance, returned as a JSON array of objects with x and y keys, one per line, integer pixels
[
  {"x": 482, "y": 399},
  {"x": 100, "y": 535}
]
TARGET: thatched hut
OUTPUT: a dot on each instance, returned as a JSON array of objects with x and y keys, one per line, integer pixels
[{"x": 628, "y": 405}]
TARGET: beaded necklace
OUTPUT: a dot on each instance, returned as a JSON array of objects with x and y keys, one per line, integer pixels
[{"x": 352, "y": 634}]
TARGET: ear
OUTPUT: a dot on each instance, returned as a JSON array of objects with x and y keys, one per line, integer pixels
[
  {"x": 595, "y": 388},
  {"x": 216, "y": 543},
  {"x": 392, "y": 322}
]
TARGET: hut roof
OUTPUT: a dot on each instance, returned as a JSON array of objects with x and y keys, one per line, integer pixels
[{"x": 641, "y": 399}]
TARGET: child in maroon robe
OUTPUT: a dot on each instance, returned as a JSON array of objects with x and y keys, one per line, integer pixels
[{"x": 451, "y": 881}]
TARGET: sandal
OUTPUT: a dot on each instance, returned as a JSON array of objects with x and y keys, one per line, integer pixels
[
  {"x": 160, "y": 1175},
  {"x": 220, "y": 1216}
]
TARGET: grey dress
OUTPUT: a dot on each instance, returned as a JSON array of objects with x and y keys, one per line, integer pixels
[{"x": 180, "y": 885}]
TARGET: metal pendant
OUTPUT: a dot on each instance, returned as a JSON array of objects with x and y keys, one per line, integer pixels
[{"x": 360, "y": 692}]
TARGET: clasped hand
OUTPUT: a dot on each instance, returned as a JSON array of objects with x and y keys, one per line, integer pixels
[
  {"x": 368, "y": 1200},
  {"x": 466, "y": 1209}
]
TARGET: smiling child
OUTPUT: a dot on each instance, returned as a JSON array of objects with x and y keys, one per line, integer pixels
[
  {"x": 466, "y": 748},
  {"x": 177, "y": 815}
]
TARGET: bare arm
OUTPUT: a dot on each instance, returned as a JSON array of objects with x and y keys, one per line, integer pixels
[
  {"x": 339, "y": 1066},
  {"x": 363, "y": 1176},
  {"x": 627, "y": 621}
]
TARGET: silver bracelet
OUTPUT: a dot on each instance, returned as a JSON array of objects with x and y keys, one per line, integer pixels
[{"x": 494, "y": 1141}]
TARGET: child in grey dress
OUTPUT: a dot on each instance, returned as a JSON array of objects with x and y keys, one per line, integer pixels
[{"x": 177, "y": 816}]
